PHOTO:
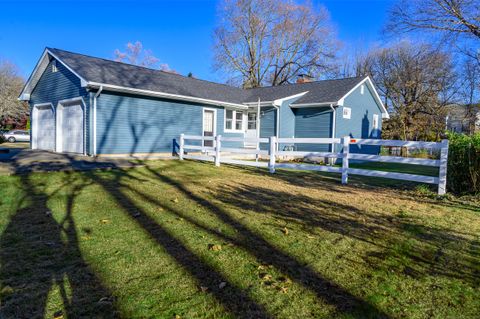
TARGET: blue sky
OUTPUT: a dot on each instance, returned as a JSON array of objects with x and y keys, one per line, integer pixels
[{"x": 178, "y": 32}]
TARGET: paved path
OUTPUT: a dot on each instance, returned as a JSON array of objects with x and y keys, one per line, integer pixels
[{"x": 17, "y": 158}]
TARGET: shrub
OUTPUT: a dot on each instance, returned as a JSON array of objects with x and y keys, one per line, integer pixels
[
  {"x": 463, "y": 163},
  {"x": 2, "y": 139}
]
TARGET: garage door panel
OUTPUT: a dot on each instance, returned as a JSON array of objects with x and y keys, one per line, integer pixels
[
  {"x": 72, "y": 128},
  {"x": 44, "y": 128}
]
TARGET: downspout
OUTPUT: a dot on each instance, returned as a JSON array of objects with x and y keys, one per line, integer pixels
[
  {"x": 95, "y": 120},
  {"x": 334, "y": 122},
  {"x": 278, "y": 123},
  {"x": 258, "y": 128}
]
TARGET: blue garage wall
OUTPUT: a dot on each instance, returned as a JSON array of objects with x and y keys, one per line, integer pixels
[
  {"x": 313, "y": 122},
  {"x": 268, "y": 127},
  {"x": 360, "y": 125},
  {"x": 56, "y": 86},
  {"x": 129, "y": 124}
]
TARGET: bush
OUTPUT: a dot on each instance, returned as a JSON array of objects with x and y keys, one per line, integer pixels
[
  {"x": 2, "y": 139},
  {"x": 463, "y": 163}
]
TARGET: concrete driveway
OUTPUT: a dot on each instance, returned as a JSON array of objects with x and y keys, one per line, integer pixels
[{"x": 17, "y": 158}]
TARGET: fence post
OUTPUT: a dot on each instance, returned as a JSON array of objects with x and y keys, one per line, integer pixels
[
  {"x": 442, "y": 178},
  {"x": 182, "y": 143},
  {"x": 271, "y": 163},
  {"x": 218, "y": 145},
  {"x": 346, "y": 150}
]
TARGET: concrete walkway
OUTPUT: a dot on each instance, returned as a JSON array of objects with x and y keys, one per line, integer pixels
[{"x": 18, "y": 158}]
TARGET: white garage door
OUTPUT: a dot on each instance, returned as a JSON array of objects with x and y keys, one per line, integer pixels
[
  {"x": 43, "y": 134},
  {"x": 71, "y": 126}
]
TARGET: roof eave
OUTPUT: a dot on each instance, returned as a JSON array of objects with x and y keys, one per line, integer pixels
[{"x": 116, "y": 88}]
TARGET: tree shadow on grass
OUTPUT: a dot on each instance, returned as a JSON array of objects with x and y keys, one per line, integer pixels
[
  {"x": 328, "y": 291},
  {"x": 407, "y": 244},
  {"x": 40, "y": 255},
  {"x": 231, "y": 297}
]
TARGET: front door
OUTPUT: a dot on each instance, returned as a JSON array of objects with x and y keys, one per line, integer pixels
[
  {"x": 208, "y": 126},
  {"x": 251, "y": 131}
]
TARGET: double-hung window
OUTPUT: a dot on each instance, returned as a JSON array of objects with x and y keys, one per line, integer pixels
[{"x": 233, "y": 120}]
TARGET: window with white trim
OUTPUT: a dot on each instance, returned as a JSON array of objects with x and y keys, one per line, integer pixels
[
  {"x": 362, "y": 89},
  {"x": 375, "y": 125},
  {"x": 233, "y": 120},
  {"x": 347, "y": 112}
]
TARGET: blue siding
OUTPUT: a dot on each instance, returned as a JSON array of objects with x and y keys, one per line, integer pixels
[
  {"x": 132, "y": 124},
  {"x": 313, "y": 122},
  {"x": 360, "y": 125},
  {"x": 57, "y": 86},
  {"x": 268, "y": 127}
]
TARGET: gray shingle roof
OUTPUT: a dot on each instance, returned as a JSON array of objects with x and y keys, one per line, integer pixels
[{"x": 104, "y": 71}]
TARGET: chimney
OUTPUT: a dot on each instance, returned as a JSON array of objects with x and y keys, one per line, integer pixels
[{"x": 304, "y": 78}]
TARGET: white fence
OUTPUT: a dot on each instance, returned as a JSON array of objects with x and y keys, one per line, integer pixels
[{"x": 217, "y": 149}]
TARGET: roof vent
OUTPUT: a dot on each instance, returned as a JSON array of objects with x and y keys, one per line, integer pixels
[{"x": 304, "y": 78}]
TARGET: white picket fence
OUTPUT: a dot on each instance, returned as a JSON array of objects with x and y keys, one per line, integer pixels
[{"x": 217, "y": 149}]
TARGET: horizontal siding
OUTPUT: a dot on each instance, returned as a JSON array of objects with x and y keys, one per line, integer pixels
[
  {"x": 53, "y": 87},
  {"x": 313, "y": 122},
  {"x": 268, "y": 116},
  {"x": 360, "y": 125},
  {"x": 131, "y": 124}
]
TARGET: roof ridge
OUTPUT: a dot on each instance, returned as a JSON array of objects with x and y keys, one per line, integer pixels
[
  {"x": 317, "y": 81},
  {"x": 147, "y": 68}
]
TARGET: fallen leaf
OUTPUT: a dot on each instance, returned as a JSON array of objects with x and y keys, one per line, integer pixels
[
  {"x": 222, "y": 285},
  {"x": 104, "y": 221},
  {"x": 285, "y": 230},
  {"x": 175, "y": 200},
  {"x": 310, "y": 237},
  {"x": 203, "y": 289},
  {"x": 6, "y": 290},
  {"x": 214, "y": 247},
  {"x": 283, "y": 290},
  {"x": 265, "y": 276}
]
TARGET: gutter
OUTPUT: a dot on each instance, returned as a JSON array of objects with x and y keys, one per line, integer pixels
[
  {"x": 117, "y": 88},
  {"x": 100, "y": 89}
]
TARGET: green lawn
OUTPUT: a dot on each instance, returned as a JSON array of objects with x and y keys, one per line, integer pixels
[{"x": 188, "y": 240}]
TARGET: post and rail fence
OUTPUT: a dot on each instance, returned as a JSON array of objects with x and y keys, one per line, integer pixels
[{"x": 345, "y": 170}]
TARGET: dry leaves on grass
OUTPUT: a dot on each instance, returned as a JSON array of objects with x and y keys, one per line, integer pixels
[{"x": 214, "y": 247}]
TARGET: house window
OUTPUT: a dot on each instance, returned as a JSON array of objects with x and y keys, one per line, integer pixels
[
  {"x": 233, "y": 120},
  {"x": 54, "y": 66},
  {"x": 347, "y": 113},
  {"x": 252, "y": 121},
  {"x": 375, "y": 125},
  {"x": 362, "y": 89}
]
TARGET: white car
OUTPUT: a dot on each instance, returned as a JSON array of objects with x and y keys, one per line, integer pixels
[{"x": 17, "y": 136}]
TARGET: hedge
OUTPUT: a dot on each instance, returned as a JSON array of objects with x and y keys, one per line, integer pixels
[{"x": 463, "y": 172}]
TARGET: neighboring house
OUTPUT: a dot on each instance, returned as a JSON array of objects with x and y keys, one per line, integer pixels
[
  {"x": 93, "y": 106},
  {"x": 459, "y": 119}
]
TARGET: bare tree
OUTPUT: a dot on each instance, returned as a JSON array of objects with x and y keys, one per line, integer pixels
[
  {"x": 11, "y": 84},
  {"x": 135, "y": 54},
  {"x": 470, "y": 77},
  {"x": 259, "y": 42},
  {"x": 417, "y": 83},
  {"x": 455, "y": 20}
]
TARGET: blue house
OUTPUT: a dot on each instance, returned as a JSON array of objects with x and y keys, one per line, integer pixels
[{"x": 92, "y": 106}]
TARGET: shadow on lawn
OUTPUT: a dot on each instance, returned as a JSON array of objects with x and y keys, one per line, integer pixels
[
  {"x": 407, "y": 246},
  {"x": 256, "y": 245},
  {"x": 39, "y": 255}
]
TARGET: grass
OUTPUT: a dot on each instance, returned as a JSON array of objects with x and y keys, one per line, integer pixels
[{"x": 188, "y": 240}]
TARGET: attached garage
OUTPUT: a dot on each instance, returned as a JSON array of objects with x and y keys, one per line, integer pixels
[
  {"x": 43, "y": 127},
  {"x": 71, "y": 126}
]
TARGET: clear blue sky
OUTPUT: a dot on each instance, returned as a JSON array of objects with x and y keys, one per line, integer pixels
[{"x": 178, "y": 32}]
